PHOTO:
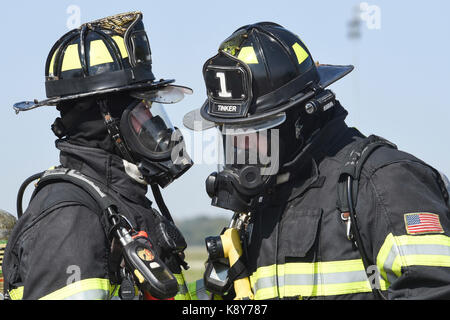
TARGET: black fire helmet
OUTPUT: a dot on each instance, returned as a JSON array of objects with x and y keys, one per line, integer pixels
[
  {"x": 104, "y": 56},
  {"x": 260, "y": 71}
]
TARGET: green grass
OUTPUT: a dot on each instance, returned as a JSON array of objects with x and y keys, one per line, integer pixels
[{"x": 195, "y": 257}]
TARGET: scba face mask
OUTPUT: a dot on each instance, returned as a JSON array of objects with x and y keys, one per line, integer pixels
[
  {"x": 250, "y": 164},
  {"x": 146, "y": 137}
]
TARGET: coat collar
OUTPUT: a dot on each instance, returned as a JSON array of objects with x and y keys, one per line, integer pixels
[
  {"x": 108, "y": 169},
  {"x": 303, "y": 171}
]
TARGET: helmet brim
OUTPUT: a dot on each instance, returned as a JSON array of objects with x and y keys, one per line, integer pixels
[
  {"x": 200, "y": 119},
  {"x": 144, "y": 86},
  {"x": 329, "y": 74}
]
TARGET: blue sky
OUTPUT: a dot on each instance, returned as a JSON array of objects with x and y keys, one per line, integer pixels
[{"x": 398, "y": 90}]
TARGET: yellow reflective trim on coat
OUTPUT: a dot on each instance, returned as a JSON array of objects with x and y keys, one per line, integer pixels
[
  {"x": 322, "y": 290},
  {"x": 99, "y": 53},
  {"x": 248, "y": 55},
  {"x": 387, "y": 252},
  {"x": 197, "y": 291},
  {"x": 436, "y": 239},
  {"x": 121, "y": 44},
  {"x": 82, "y": 289},
  {"x": 183, "y": 292},
  {"x": 311, "y": 279},
  {"x": 407, "y": 250},
  {"x": 266, "y": 293},
  {"x": 428, "y": 260},
  {"x": 301, "y": 53},
  {"x": 422, "y": 260},
  {"x": 71, "y": 60},
  {"x": 16, "y": 294}
]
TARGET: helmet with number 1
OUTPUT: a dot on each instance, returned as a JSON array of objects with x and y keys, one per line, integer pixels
[{"x": 260, "y": 71}]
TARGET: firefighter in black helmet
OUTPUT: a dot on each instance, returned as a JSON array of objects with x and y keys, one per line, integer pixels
[
  {"x": 323, "y": 211},
  {"x": 115, "y": 135}
]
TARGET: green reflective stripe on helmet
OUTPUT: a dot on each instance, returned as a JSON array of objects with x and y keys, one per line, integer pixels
[
  {"x": 301, "y": 53},
  {"x": 248, "y": 55},
  {"x": 16, "y": 294},
  {"x": 311, "y": 279},
  {"x": 91, "y": 289},
  {"x": 403, "y": 251}
]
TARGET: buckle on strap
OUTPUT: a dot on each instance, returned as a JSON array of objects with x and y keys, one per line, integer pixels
[{"x": 345, "y": 216}]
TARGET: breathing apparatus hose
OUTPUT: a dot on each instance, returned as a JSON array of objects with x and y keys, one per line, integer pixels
[
  {"x": 22, "y": 189},
  {"x": 366, "y": 262},
  {"x": 160, "y": 202}
]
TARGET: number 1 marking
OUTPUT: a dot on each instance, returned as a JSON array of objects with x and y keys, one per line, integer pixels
[{"x": 223, "y": 93}]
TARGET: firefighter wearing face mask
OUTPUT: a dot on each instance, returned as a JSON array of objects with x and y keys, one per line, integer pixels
[
  {"x": 93, "y": 234},
  {"x": 321, "y": 211}
]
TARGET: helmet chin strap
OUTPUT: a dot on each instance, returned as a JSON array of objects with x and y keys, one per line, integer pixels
[{"x": 113, "y": 130}]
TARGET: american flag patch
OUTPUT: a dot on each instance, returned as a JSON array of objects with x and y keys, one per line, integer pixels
[{"x": 420, "y": 223}]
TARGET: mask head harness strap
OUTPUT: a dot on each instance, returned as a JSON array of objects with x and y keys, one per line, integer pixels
[{"x": 112, "y": 125}]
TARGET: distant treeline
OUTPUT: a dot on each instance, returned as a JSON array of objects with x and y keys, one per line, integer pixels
[{"x": 195, "y": 230}]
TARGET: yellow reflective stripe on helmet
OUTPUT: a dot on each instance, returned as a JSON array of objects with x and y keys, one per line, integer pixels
[
  {"x": 311, "y": 279},
  {"x": 248, "y": 55},
  {"x": 99, "y": 53},
  {"x": 88, "y": 289},
  {"x": 301, "y": 53},
  {"x": 16, "y": 294},
  {"x": 71, "y": 60},
  {"x": 406, "y": 250},
  {"x": 52, "y": 63},
  {"x": 121, "y": 44}
]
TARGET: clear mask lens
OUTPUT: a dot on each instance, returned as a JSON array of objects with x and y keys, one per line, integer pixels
[
  {"x": 152, "y": 126},
  {"x": 258, "y": 149}
]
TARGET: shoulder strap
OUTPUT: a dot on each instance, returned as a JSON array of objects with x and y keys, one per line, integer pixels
[
  {"x": 347, "y": 193},
  {"x": 353, "y": 167},
  {"x": 68, "y": 175},
  {"x": 104, "y": 202}
]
